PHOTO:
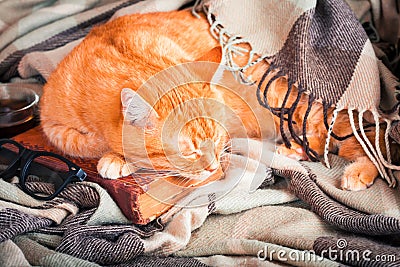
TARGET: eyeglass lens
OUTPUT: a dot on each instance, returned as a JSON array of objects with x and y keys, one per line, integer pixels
[
  {"x": 45, "y": 175},
  {"x": 8, "y": 154}
]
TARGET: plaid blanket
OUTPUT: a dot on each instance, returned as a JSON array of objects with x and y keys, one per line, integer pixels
[
  {"x": 298, "y": 216},
  {"x": 84, "y": 227},
  {"x": 322, "y": 48}
]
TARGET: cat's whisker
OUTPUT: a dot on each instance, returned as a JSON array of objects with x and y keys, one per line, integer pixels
[
  {"x": 227, "y": 150},
  {"x": 225, "y": 154},
  {"x": 187, "y": 181},
  {"x": 164, "y": 175},
  {"x": 152, "y": 172},
  {"x": 228, "y": 146},
  {"x": 135, "y": 164},
  {"x": 184, "y": 181},
  {"x": 166, "y": 199}
]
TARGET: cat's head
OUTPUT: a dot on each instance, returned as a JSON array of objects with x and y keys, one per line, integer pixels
[{"x": 183, "y": 131}]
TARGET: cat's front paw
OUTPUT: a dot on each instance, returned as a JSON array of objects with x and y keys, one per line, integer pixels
[
  {"x": 295, "y": 152},
  {"x": 359, "y": 175},
  {"x": 113, "y": 166}
]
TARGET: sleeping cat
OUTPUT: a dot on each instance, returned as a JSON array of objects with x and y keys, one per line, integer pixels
[
  {"x": 90, "y": 100},
  {"x": 92, "y": 95}
]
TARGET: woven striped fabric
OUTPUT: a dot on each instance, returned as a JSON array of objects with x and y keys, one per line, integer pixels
[
  {"x": 321, "y": 47},
  {"x": 13, "y": 223},
  {"x": 44, "y": 26},
  {"x": 294, "y": 218},
  {"x": 84, "y": 227}
]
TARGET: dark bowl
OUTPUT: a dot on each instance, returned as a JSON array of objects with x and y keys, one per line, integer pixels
[{"x": 18, "y": 106}]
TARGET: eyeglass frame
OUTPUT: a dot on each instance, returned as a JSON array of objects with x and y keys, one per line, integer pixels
[{"x": 25, "y": 157}]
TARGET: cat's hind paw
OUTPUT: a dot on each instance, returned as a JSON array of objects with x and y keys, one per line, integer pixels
[
  {"x": 113, "y": 166},
  {"x": 296, "y": 151},
  {"x": 359, "y": 175}
]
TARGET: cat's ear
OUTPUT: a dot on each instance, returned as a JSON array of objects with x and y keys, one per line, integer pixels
[{"x": 136, "y": 110}]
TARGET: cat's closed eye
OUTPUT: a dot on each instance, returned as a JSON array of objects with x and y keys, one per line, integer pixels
[{"x": 192, "y": 155}]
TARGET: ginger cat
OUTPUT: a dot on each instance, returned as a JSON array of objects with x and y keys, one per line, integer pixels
[
  {"x": 90, "y": 101},
  {"x": 92, "y": 95}
]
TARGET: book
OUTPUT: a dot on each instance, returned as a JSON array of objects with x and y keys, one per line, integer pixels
[{"x": 140, "y": 196}]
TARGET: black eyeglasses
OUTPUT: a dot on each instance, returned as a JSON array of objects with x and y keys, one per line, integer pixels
[{"x": 42, "y": 175}]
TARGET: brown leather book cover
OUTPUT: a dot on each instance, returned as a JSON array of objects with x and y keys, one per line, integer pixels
[{"x": 140, "y": 197}]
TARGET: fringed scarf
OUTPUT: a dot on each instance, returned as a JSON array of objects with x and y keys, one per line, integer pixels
[{"x": 319, "y": 46}]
